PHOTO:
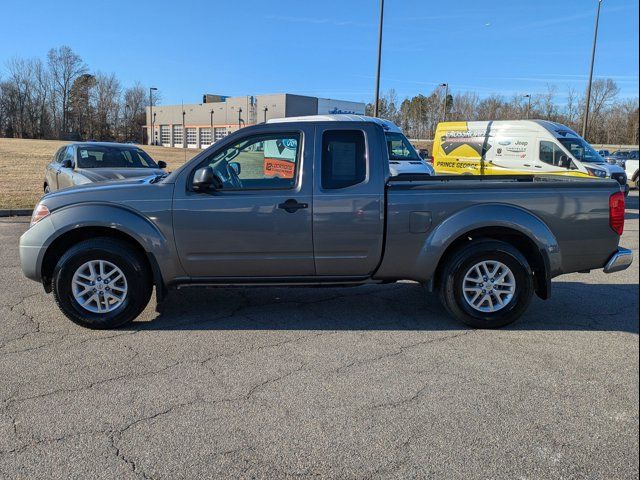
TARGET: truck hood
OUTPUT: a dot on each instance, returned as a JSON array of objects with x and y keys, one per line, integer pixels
[
  {"x": 127, "y": 191},
  {"x": 105, "y": 174}
]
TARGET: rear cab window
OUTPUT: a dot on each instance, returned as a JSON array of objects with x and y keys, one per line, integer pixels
[{"x": 344, "y": 159}]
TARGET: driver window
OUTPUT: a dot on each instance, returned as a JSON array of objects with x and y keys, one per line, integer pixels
[
  {"x": 550, "y": 153},
  {"x": 258, "y": 162}
]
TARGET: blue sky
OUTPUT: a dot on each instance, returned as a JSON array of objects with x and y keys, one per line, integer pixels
[{"x": 328, "y": 48}]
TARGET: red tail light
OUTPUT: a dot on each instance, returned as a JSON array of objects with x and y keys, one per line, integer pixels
[
  {"x": 616, "y": 212},
  {"x": 430, "y": 159}
]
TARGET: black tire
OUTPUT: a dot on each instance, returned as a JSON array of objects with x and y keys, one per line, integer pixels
[
  {"x": 133, "y": 267},
  {"x": 458, "y": 264}
]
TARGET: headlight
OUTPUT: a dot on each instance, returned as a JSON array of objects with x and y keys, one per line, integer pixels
[
  {"x": 594, "y": 172},
  {"x": 41, "y": 211}
]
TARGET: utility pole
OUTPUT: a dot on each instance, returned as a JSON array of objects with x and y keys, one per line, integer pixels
[
  {"x": 585, "y": 122},
  {"x": 444, "y": 104},
  {"x": 152, "y": 140},
  {"x": 126, "y": 122},
  {"x": 377, "y": 96},
  {"x": 528, "y": 96},
  {"x": 265, "y": 113},
  {"x": 239, "y": 118}
]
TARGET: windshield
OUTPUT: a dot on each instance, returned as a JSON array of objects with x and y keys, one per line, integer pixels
[
  {"x": 581, "y": 150},
  {"x": 399, "y": 147},
  {"x": 98, "y": 156}
]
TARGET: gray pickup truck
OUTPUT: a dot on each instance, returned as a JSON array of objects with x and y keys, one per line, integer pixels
[{"x": 311, "y": 201}]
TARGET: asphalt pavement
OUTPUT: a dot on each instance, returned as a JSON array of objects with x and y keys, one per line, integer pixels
[{"x": 364, "y": 382}]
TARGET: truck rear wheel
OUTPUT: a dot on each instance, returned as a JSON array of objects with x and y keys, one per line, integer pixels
[
  {"x": 486, "y": 284},
  {"x": 101, "y": 283}
]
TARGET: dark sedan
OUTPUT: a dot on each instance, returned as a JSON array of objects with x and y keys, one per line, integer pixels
[{"x": 81, "y": 163}]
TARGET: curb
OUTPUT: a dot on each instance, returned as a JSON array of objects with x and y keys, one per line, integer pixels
[{"x": 16, "y": 213}]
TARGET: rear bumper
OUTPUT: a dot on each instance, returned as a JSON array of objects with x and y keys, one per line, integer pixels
[{"x": 621, "y": 260}]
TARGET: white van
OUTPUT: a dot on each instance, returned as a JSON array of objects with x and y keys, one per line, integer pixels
[{"x": 517, "y": 146}]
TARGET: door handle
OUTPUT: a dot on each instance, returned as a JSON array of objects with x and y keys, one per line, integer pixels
[
  {"x": 538, "y": 166},
  {"x": 292, "y": 205},
  {"x": 527, "y": 164}
]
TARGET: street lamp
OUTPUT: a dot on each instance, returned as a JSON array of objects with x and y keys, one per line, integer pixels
[
  {"x": 265, "y": 113},
  {"x": 239, "y": 118},
  {"x": 184, "y": 131},
  {"x": 211, "y": 141},
  {"x": 444, "y": 105},
  {"x": 377, "y": 96},
  {"x": 528, "y": 96},
  {"x": 153, "y": 118},
  {"x": 593, "y": 57}
]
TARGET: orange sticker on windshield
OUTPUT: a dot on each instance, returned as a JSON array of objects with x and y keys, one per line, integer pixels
[{"x": 274, "y": 167}]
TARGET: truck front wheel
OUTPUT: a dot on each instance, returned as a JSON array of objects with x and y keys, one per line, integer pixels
[
  {"x": 101, "y": 283},
  {"x": 486, "y": 284}
]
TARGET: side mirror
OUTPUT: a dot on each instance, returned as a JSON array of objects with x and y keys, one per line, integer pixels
[
  {"x": 564, "y": 161},
  {"x": 204, "y": 179},
  {"x": 162, "y": 164},
  {"x": 236, "y": 167},
  {"x": 66, "y": 163}
]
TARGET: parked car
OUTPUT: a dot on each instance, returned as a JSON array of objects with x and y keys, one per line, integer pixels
[
  {"x": 518, "y": 146},
  {"x": 631, "y": 167},
  {"x": 90, "y": 162},
  {"x": 484, "y": 244},
  {"x": 620, "y": 157},
  {"x": 604, "y": 153}
]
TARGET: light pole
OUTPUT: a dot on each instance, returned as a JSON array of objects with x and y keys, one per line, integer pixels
[
  {"x": 444, "y": 104},
  {"x": 265, "y": 114},
  {"x": 593, "y": 57},
  {"x": 377, "y": 96},
  {"x": 184, "y": 130},
  {"x": 211, "y": 142},
  {"x": 152, "y": 139},
  {"x": 528, "y": 96},
  {"x": 239, "y": 118}
]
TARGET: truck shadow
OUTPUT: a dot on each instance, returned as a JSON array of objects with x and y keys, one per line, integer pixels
[{"x": 403, "y": 306}]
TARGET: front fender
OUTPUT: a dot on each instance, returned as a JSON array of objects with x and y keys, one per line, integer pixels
[
  {"x": 41, "y": 236},
  {"x": 487, "y": 216}
]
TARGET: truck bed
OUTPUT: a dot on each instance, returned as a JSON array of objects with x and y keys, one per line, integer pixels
[{"x": 420, "y": 208}]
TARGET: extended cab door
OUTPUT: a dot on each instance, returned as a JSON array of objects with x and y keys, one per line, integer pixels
[
  {"x": 348, "y": 198},
  {"x": 257, "y": 223}
]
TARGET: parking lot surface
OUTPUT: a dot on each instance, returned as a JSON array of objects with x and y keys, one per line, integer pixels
[{"x": 365, "y": 382}]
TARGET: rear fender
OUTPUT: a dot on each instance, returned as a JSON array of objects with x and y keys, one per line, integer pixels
[{"x": 489, "y": 216}]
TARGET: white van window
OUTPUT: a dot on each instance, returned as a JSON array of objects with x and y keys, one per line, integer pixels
[
  {"x": 550, "y": 153},
  {"x": 399, "y": 147},
  {"x": 581, "y": 150}
]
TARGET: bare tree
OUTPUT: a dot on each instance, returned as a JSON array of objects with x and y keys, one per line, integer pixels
[
  {"x": 65, "y": 66},
  {"x": 135, "y": 100}
]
